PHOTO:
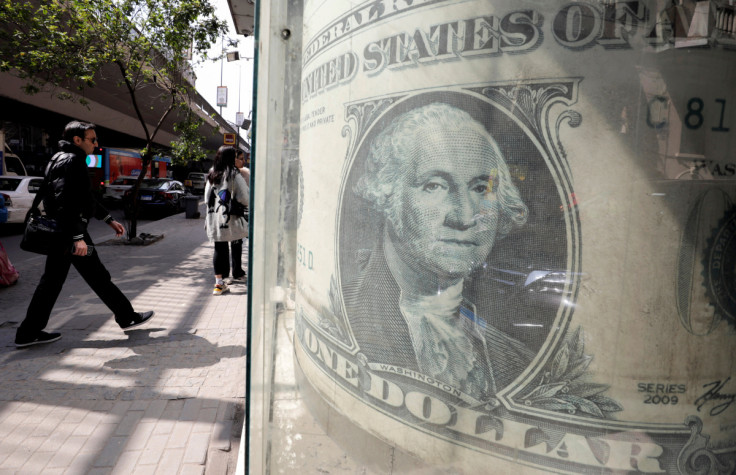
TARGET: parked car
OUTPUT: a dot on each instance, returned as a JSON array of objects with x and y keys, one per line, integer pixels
[
  {"x": 19, "y": 192},
  {"x": 156, "y": 194},
  {"x": 3, "y": 209},
  {"x": 195, "y": 182},
  {"x": 12, "y": 165},
  {"x": 114, "y": 191}
]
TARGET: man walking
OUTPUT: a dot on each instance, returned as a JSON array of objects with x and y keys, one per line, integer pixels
[{"x": 68, "y": 198}]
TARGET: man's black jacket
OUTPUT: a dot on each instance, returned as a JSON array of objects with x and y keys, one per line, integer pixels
[{"x": 69, "y": 198}]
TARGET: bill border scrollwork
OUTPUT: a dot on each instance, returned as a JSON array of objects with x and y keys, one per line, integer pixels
[
  {"x": 363, "y": 115},
  {"x": 696, "y": 458}
]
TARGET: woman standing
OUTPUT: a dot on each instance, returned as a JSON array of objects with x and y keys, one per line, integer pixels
[
  {"x": 227, "y": 196},
  {"x": 236, "y": 247}
]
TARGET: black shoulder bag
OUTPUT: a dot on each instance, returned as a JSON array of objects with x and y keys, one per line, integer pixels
[{"x": 41, "y": 231}]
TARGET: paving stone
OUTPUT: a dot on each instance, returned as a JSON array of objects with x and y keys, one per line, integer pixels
[
  {"x": 128, "y": 395},
  {"x": 120, "y": 408},
  {"x": 192, "y": 469},
  {"x": 191, "y": 410},
  {"x": 17, "y": 458},
  {"x": 88, "y": 424},
  {"x": 129, "y": 422},
  {"x": 154, "y": 450},
  {"x": 170, "y": 462},
  {"x": 139, "y": 438},
  {"x": 64, "y": 457},
  {"x": 187, "y": 393},
  {"x": 196, "y": 450},
  {"x": 96, "y": 440},
  {"x": 56, "y": 440},
  {"x": 137, "y": 405},
  {"x": 173, "y": 409},
  {"x": 28, "y": 407},
  {"x": 37, "y": 463},
  {"x": 221, "y": 435},
  {"x": 11, "y": 422},
  {"x": 110, "y": 453},
  {"x": 145, "y": 470},
  {"x": 33, "y": 443},
  {"x": 179, "y": 435},
  {"x": 5, "y": 450},
  {"x": 99, "y": 471},
  {"x": 75, "y": 416},
  {"x": 127, "y": 462},
  {"x": 52, "y": 471},
  {"x": 225, "y": 410},
  {"x": 164, "y": 426},
  {"x": 155, "y": 409}
]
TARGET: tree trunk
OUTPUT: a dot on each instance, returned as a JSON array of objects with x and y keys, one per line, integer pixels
[{"x": 133, "y": 230}]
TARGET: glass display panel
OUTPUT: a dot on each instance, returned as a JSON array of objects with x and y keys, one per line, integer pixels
[{"x": 504, "y": 235}]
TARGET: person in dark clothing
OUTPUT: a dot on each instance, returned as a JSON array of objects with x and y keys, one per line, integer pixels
[{"x": 69, "y": 199}]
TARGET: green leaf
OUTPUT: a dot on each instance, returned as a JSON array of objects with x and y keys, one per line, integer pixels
[
  {"x": 559, "y": 364},
  {"x": 577, "y": 345},
  {"x": 606, "y": 404},
  {"x": 579, "y": 368},
  {"x": 545, "y": 391},
  {"x": 553, "y": 404},
  {"x": 584, "y": 405},
  {"x": 585, "y": 389}
]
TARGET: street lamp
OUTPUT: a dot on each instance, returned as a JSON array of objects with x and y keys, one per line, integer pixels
[
  {"x": 231, "y": 56},
  {"x": 240, "y": 120}
]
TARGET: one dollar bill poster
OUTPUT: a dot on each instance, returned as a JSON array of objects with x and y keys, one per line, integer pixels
[{"x": 517, "y": 233}]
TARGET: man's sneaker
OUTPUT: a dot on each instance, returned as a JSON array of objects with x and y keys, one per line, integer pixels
[
  {"x": 41, "y": 338},
  {"x": 137, "y": 320},
  {"x": 220, "y": 289},
  {"x": 241, "y": 279}
]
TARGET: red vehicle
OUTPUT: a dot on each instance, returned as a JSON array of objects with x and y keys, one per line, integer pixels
[{"x": 110, "y": 163}]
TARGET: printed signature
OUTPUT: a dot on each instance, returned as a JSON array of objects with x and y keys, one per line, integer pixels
[{"x": 714, "y": 395}]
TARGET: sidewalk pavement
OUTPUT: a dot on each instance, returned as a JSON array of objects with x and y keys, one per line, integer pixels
[{"x": 165, "y": 398}]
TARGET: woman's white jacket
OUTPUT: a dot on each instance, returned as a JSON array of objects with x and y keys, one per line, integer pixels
[{"x": 219, "y": 223}]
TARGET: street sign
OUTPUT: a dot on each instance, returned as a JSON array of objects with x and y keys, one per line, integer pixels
[
  {"x": 228, "y": 139},
  {"x": 222, "y": 96}
]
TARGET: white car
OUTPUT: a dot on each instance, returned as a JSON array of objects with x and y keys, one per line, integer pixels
[
  {"x": 19, "y": 192},
  {"x": 115, "y": 190},
  {"x": 12, "y": 165},
  {"x": 195, "y": 182}
]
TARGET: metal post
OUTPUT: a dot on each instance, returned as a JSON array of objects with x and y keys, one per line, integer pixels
[
  {"x": 222, "y": 52},
  {"x": 240, "y": 84}
]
